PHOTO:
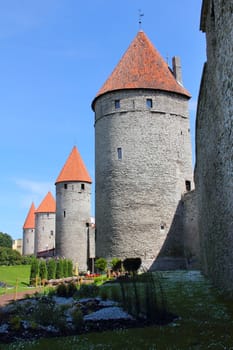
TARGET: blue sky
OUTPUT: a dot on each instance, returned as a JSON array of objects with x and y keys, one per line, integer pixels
[{"x": 55, "y": 56}]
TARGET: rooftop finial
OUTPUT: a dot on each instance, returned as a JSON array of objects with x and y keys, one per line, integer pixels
[{"x": 140, "y": 15}]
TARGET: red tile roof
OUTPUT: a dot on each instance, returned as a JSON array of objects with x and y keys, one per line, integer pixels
[
  {"x": 74, "y": 169},
  {"x": 48, "y": 204},
  {"x": 30, "y": 219},
  {"x": 142, "y": 67}
]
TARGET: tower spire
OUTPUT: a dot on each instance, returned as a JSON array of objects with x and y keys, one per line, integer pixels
[{"x": 140, "y": 15}]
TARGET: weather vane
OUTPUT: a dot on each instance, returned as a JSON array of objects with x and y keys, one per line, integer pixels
[{"x": 140, "y": 19}]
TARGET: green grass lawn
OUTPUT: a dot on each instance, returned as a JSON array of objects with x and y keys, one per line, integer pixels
[
  {"x": 205, "y": 321},
  {"x": 12, "y": 275}
]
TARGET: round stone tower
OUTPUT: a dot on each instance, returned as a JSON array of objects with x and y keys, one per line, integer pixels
[
  {"x": 45, "y": 225},
  {"x": 142, "y": 156},
  {"x": 29, "y": 232},
  {"x": 73, "y": 199}
]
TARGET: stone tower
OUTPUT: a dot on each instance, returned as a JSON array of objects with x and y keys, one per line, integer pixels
[
  {"x": 73, "y": 198},
  {"x": 29, "y": 232},
  {"x": 45, "y": 224},
  {"x": 142, "y": 156}
]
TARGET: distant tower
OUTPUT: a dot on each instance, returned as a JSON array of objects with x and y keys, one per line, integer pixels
[
  {"x": 45, "y": 224},
  {"x": 29, "y": 232},
  {"x": 142, "y": 155},
  {"x": 73, "y": 198}
]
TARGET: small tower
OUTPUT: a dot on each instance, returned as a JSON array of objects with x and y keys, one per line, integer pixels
[
  {"x": 29, "y": 232},
  {"x": 73, "y": 198},
  {"x": 45, "y": 225},
  {"x": 143, "y": 161}
]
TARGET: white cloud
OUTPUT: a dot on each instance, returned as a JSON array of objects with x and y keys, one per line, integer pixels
[{"x": 35, "y": 187}]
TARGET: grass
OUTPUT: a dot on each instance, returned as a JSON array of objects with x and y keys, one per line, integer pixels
[
  {"x": 12, "y": 275},
  {"x": 205, "y": 322}
]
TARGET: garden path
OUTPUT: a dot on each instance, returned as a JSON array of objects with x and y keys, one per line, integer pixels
[{"x": 6, "y": 298}]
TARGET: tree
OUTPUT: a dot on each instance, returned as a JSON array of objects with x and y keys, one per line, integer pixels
[
  {"x": 43, "y": 273},
  {"x": 116, "y": 264},
  {"x": 70, "y": 268},
  {"x": 51, "y": 268},
  {"x": 101, "y": 264},
  {"x": 59, "y": 268},
  {"x": 8, "y": 256},
  {"x": 34, "y": 270},
  {"x": 132, "y": 265},
  {"x": 5, "y": 240}
]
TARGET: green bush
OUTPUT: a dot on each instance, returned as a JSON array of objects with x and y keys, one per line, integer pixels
[
  {"x": 70, "y": 267},
  {"x": 61, "y": 290},
  {"x": 71, "y": 289},
  {"x": 132, "y": 265},
  {"x": 88, "y": 291},
  {"x": 34, "y": 270},
  {"x": 77, "y": 318},
  {"x": 51, "y": 267},
  {"x": 116, "y": 264},
  {"x": 43, "y": 273},
  {"x": 9, "y": 257},
  {"x": 59, "y": 268},
  {"x": 101, "y": 264}
]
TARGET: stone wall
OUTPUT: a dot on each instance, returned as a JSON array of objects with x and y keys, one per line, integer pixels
[{"x": 214, "y": 145}]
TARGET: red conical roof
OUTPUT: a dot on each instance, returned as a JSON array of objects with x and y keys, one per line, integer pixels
[
  {"x": 142, "y": 67},
  {"x": 30, "y": 219},
  {"x": 48, "y": 204},
  {"x": 74, "y": 169}
]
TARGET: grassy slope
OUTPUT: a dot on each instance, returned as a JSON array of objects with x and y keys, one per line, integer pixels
[
  {"x": 11, "y": 274},
  {"x": 205, "y": 322}
]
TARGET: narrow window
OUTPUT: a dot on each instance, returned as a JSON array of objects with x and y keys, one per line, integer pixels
[
  {"x": 119, "y": 153},
  {"x": 162, "y": 227},
  {"x": 51, "y": 232},
  {"x": 64, "y": 213},
  {"x": 149, "y": 103},
  {"x": 65, "y": 186},
  {"x": 117, "y": 104},
  {"x": 82, "y": 186},
  {"x": 188, "y": 185}
]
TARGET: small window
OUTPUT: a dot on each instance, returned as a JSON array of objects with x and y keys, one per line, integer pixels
[
  {"x": 65, "y": 186},
  {"x": 82, "y": 186},
  {"x": 162, "y": 227},
  {"x": 51, "y": 232},
  {"x": 64, "y": 213},
  {"x": 117, "y": 104},
  {"x": 149, "y": 103},
  {"x": 119, "y": 153},
  {"x": 188, "y": 185}
]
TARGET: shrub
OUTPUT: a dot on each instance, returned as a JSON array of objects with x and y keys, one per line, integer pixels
[
  {"x": 34, "y": 270},
  {"x": 116, "y": 264},
  {"x": 132, "y": 265},
  {"x": 65, "y": 268},
  {"x": 88, "y": 291},
  {"x": 51, "y": 267},
  {"x": 77, "y": 318},
  {"x": 70, "y": 267},
  {"x": 71, "y": 289},
  {"x": 61, "y": 290},
  {"x": 101, "y": 264},
  {"x": 43, "y": 273},
  {"x": 59, "y": 268}
]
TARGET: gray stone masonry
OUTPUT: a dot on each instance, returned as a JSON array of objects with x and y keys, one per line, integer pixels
[
  {"x": 44, "y": 232},
  {"x": 214, "y": 145},
  {"x": 28, "y": 241},
  {"x": 137, "y": 196},
  {"x": 73, "y": 206}
]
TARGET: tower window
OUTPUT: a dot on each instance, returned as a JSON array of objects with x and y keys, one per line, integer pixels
[
  {"x": 117, "y": 104},
  {"x": 188, "y": 185},
  {"x": 64, "y": 213},
  {"x": 119, "y": 153},
  {"x": 82, "y": 186},
  {"x": 149, "y": 103},
  {"x": 65, "y": 186}
]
